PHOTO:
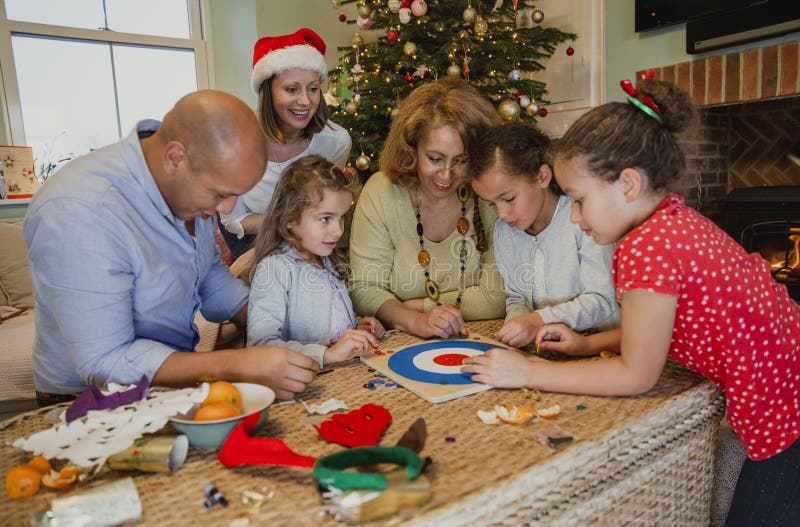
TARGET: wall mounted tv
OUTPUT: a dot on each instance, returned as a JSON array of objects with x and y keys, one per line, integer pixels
[{"x": 713, "y": 24}]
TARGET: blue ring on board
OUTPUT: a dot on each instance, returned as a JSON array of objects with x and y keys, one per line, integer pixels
[{"x": 402, "y": 362}]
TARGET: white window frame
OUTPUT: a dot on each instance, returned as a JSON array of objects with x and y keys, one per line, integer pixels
[{"x": 199, "y": 42}]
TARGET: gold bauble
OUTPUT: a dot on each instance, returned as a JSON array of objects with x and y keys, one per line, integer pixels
[
  {"x": 336, "y": 4},
  {"x": 394, "y": 5},
  {"x": 481, "y": 26},
  {"x": 409, "y": 48},
  {"x": 351, "y": 108},
  {"x": 364, "y": 10},
  {"x": 470, "y": 15},
  {"x": 532, "y": 109},
  {"x": 509, "y": 110},
  {"x": 453, "y": 70},
  {"x": 362, "y": 162},
  {"x": 358, "y": 40},
  {"x": 537, "y": 16}
]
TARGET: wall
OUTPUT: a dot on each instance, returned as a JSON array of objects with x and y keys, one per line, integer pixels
[
  {"x": 628, "y": 52},
  {"x": 233, "y": 30}
]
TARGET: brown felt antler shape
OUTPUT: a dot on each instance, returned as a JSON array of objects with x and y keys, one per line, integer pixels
[{"x": 360, "y": 427}]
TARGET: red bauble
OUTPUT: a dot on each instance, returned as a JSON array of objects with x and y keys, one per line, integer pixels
[
  {"x": 342, "y": 18},
  {"x": 570, "y": 51},
  {"x": 392, "y": 35},
  {"x": 543, "y": 112},
  {"x": 409, "y": 77}
]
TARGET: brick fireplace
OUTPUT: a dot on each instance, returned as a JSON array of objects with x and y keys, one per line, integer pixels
[
  {"x": 738, "y": 171},
  {"x": 749, "y": 117}
]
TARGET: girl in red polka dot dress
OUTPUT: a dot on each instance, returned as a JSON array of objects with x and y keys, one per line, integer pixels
[{"x": 686, "y": 289}]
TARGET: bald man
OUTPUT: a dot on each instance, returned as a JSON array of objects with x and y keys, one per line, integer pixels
[{"x": 122, "y": 255}]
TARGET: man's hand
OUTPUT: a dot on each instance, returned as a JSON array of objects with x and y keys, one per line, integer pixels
[{"x": 285, "y": 371}]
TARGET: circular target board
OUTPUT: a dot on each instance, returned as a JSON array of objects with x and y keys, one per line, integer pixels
[{"x": 437, "y": 362}]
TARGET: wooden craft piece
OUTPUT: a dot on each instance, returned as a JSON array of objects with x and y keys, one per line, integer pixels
[{"x": 432, "y": 369}]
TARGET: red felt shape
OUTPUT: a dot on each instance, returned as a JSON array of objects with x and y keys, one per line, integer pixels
[
  {"x": 361, "y": 427},
  {"x": 241, "y": 448}
]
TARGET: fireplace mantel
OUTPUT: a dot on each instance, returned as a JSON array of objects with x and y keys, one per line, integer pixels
[{"x": 745, "y": 76}]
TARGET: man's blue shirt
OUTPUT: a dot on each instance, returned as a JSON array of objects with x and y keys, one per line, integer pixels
[{"x": 118, "y": 278}]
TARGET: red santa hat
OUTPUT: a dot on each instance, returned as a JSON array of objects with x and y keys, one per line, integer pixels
[{"x": 272, "y": 55}]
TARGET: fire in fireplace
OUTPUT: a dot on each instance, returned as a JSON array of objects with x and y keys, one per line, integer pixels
[{"x": 767, "y": 220}]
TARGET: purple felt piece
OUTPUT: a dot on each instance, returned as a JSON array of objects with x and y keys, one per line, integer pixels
[{"x": 91, "y": 398}]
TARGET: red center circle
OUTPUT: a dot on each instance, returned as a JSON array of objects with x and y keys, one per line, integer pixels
[{"x": 450, "y": 359}]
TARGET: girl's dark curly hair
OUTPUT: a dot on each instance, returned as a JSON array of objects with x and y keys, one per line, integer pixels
[{"x": 619, "y": 135}]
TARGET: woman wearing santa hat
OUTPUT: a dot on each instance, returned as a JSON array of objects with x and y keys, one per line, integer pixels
[{"x": 287, "y": 73}]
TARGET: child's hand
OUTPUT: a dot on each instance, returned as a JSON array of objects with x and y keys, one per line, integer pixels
[
  {"x": 353, "y": 342},
  {"x": 520, "y": 331},
  {"x": 441, "y": 321},
  {"x": 501, "y": 368},
  {"x": 373, "y": 325},
  {"x": 558, "y": 337}
]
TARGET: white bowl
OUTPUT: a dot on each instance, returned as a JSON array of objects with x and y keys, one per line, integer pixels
[{"x": 212, "y": 434}]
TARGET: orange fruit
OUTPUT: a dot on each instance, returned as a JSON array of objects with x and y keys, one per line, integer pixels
[
  {"x": 22, "y": 481},
  {"x": 216, "y": 411},
  {"x": 40, "y": 464},
  {"x": 223, "y": 392}
]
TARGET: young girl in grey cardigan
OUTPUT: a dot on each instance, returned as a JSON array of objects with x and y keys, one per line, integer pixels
[
  {"x": 298, "y": 295},
  {"x": 553, "y": 271}
]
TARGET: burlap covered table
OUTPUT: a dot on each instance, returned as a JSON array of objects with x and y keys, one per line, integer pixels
[{"x": 643, "y": 460}]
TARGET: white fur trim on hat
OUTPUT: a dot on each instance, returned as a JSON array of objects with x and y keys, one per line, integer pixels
[{"x": 302, "y": 56}]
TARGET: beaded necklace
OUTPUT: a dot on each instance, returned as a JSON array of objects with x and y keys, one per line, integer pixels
[{"x": 424, "y": 257}]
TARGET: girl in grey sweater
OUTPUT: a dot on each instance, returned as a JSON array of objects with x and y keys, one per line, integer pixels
[
  {"x": 298, "y": 296},
  {"x": 553, "y": 271}
]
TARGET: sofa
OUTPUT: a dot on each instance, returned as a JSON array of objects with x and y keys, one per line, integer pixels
[{"x": 17, "y": 327}]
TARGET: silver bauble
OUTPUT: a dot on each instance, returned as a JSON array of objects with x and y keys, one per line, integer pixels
[
  {"x": 524, "y": 101},
  {"x": 537, "y": 16},
  {"x": 453, "y": 70}
]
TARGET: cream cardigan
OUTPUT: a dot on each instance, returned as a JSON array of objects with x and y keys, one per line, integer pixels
[{"x": 383, "y": 253}]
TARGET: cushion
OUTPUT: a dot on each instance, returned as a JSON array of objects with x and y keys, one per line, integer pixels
[{"x": 15, "y": 281}]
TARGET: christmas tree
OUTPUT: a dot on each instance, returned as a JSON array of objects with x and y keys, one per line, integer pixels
[{"x": 497, "y": 45}]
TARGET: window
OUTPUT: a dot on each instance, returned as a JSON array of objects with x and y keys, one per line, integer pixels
[{"x": 79, "y": 74}]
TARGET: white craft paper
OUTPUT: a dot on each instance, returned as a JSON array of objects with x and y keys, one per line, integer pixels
[{"x": 90, "y": 440}]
